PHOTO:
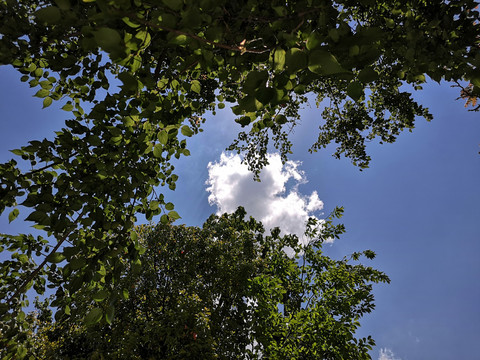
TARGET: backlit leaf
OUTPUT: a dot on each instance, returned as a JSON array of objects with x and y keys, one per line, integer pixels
[
  {"x": 187, "y": 131},
  {"x": 195, "y": 86},
  {"x": 110, "y": 314},
  {"x": 157, "y": 150},
  {"x": 42, "y": 93},
  {"x": 67, "y": 107},
  {"x": 94, "y": 316},
  {"x": 324, "y": 63},
  {"x": 279, "y": 59},
  {"x": 163, "y": 137},
  {"x": 13, "y": 215},
  {"x": 47, "y": 102},
  {"x": 55, "y": 258},
  {"x": 173, "y": 215}
]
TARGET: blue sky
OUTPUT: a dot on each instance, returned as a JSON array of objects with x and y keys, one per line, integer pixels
[{"x": 417, "y": 207}]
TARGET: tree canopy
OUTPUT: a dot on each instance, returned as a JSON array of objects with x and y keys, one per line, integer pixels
[
  {"x": 136, "y": 79},
  {"x": 215, "y": 293}
]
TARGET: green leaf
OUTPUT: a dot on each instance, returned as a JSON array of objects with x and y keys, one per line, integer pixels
[
  {"x": 214, "y": 33},
  {"x": 42, "y": 93},
  {"x": 13, "y": 215},
  {"x": 40, "y": 217},
  {"x": 108, "y": 39},
  {"x": 195, "y": 86},
  {"x": 163, "y": 137},
  {"x": 244, "y": 120},
  {"x": 475, "y": 81},
  {"x": 18, "y": 152},
  {"x": 47, "y": 102},
  {"x": 167, "y": 20},
  {"x": 255, "y": 80},
  {"x": 144, "y": 37},
  {"x": 249, "y": 104},
  {"x": 4, "y": 308},
  {"x": 281, "y": 119},
  {"x": 67, "y": 107},
  {"x": 133, "y": 235},
  {"x": 153, "y": 205},
  {"x": 279, "y": 59},
  {"x": 77, "y": 263},
  {"x": 49, "y": 15},
  {"x": 110, "y": 314},
  {"x": 23, "y": 258},
  {"x": 280, "y": 10},
  {"x": 136, "y": 63},
  {"x": 129, "y": 81},
  {"x": 296, "y": 60},
  {"x": 70, "y": 251},
  {"x": 324, "y": 63},
  {"x": 353, "y": 50},
  {"x": 314, "y": 40},
  {"x": 265, "y": 94},
  {"x": 100, "y": 295},
  {"x": 21, "y": 316},
  {"x": 368, "y": 75},
  {"x": 187, "y": 131},
  {"x": 127, "y": 21},
  {"x": 178, "y": 40},
  {"x": 334, "y": 34},
  {"x": 157, "y": 150},
  {"x": 355, "y": 90},
  {"x": 169, "y": 206},
  {"x": 173, "y": 215},
  {"x": 55, "y": 258},
  {"x": 94, "y": 316}
]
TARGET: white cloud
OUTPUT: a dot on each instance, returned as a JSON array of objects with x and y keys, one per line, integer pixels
[
  {"x": 231, "y": 184},
  {"x": 386, "y": 354}
]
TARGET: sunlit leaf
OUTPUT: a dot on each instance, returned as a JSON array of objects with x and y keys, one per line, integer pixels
[
  {"x": 13, "y": 215},
  {"x": 185, "y": 130}
]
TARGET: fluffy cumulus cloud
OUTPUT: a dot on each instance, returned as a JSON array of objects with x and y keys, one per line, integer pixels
[
  {"x": 386, "y": 354},
  {"x": 231, "y": 184}
]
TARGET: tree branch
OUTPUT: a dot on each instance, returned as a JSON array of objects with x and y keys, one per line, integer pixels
[{"x": 40, "y": 267}]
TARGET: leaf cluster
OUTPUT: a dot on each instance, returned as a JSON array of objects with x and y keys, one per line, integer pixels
[{"x": 223, "y": 291}]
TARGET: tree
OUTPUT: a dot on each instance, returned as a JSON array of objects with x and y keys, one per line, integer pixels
[
  {"x": 215, "y": 292},
  {"x": 174, "y": 61}
]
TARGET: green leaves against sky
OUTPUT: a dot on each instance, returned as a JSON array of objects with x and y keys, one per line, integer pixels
[{"x": 173, "y": 62}]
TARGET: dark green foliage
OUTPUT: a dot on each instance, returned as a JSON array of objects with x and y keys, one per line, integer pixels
[{"x": 225, "y": 291}]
